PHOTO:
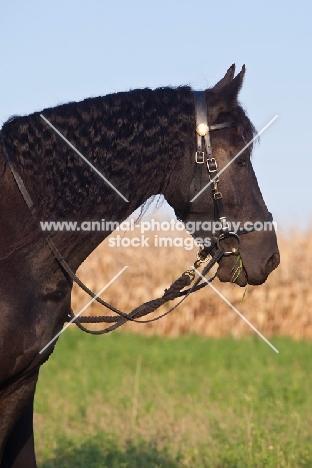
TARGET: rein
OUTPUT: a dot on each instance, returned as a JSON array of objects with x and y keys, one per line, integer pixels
[{"x": 203, "y": 153}]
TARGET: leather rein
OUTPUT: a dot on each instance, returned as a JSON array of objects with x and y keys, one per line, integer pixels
[{"x": 203, "y": 154}]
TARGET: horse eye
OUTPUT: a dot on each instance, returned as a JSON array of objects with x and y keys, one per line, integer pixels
[{"x": 242, "y": 162}]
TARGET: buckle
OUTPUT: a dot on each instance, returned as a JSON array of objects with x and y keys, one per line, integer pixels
[
  {"x": 217, "y": 195},
  {"x": 214, "y": 180},
  {"x": 212, "y": 165},
  {"x": 225, "y": 224},
  {"x": 200, "y": 157}
]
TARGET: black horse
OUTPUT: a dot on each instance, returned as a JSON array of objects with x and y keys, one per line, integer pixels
[{"x": 143, "y": 142}]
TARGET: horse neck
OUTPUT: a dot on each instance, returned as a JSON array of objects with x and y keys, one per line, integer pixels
[{"x": 135, "y": 140}]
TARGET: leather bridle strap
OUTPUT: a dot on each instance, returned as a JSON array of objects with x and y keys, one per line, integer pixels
[
  {"x": 203, "y": 140},
  {"x": 203, "y": 153}
]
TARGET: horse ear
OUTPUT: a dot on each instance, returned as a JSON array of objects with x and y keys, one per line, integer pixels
[
  {"x": 226, "y": 79},
  {"x": 225, "y": 98}
]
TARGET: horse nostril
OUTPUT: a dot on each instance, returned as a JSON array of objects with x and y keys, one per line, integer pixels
[{"x": 273, "y": 262}]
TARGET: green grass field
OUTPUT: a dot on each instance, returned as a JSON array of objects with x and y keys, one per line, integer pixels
[{"x": 126, "y": 401}]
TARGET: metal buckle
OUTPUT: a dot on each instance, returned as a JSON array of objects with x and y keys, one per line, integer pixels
[
  {"x": 217, "y": 195},
  {"x": 225, "y": 224},
  {"x": 190, "y": 273},
  {"x": 200, "y": 260},
  {"x": 200, "y": 157},
  {"x": 215, "y": 180},
  {"x": 213, "y": 167}
]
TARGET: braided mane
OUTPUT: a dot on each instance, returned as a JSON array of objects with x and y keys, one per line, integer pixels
[{"x": 134, "y": 138}]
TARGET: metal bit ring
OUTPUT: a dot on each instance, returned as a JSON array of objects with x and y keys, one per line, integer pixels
[{"x": 222, "y": 236}]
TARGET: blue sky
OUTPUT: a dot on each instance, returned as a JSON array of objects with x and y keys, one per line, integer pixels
[{"x": 60, "y": 51}]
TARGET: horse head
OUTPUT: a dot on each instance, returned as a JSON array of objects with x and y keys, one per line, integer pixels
[{"x": 223, "y": 206}]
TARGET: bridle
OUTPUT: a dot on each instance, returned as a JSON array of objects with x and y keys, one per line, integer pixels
[{"x": 203, "y": 154}]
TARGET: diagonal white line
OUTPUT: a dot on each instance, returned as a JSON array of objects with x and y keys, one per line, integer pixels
[
  {"x": 235, "y": 310},
  {"x": 84, "y": 158},
  {"x": 238, "y": 154},
  {"x": 84, "y": 308}
]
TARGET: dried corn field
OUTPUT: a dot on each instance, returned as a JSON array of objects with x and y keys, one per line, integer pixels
[{"x": 282, "y": 306}]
